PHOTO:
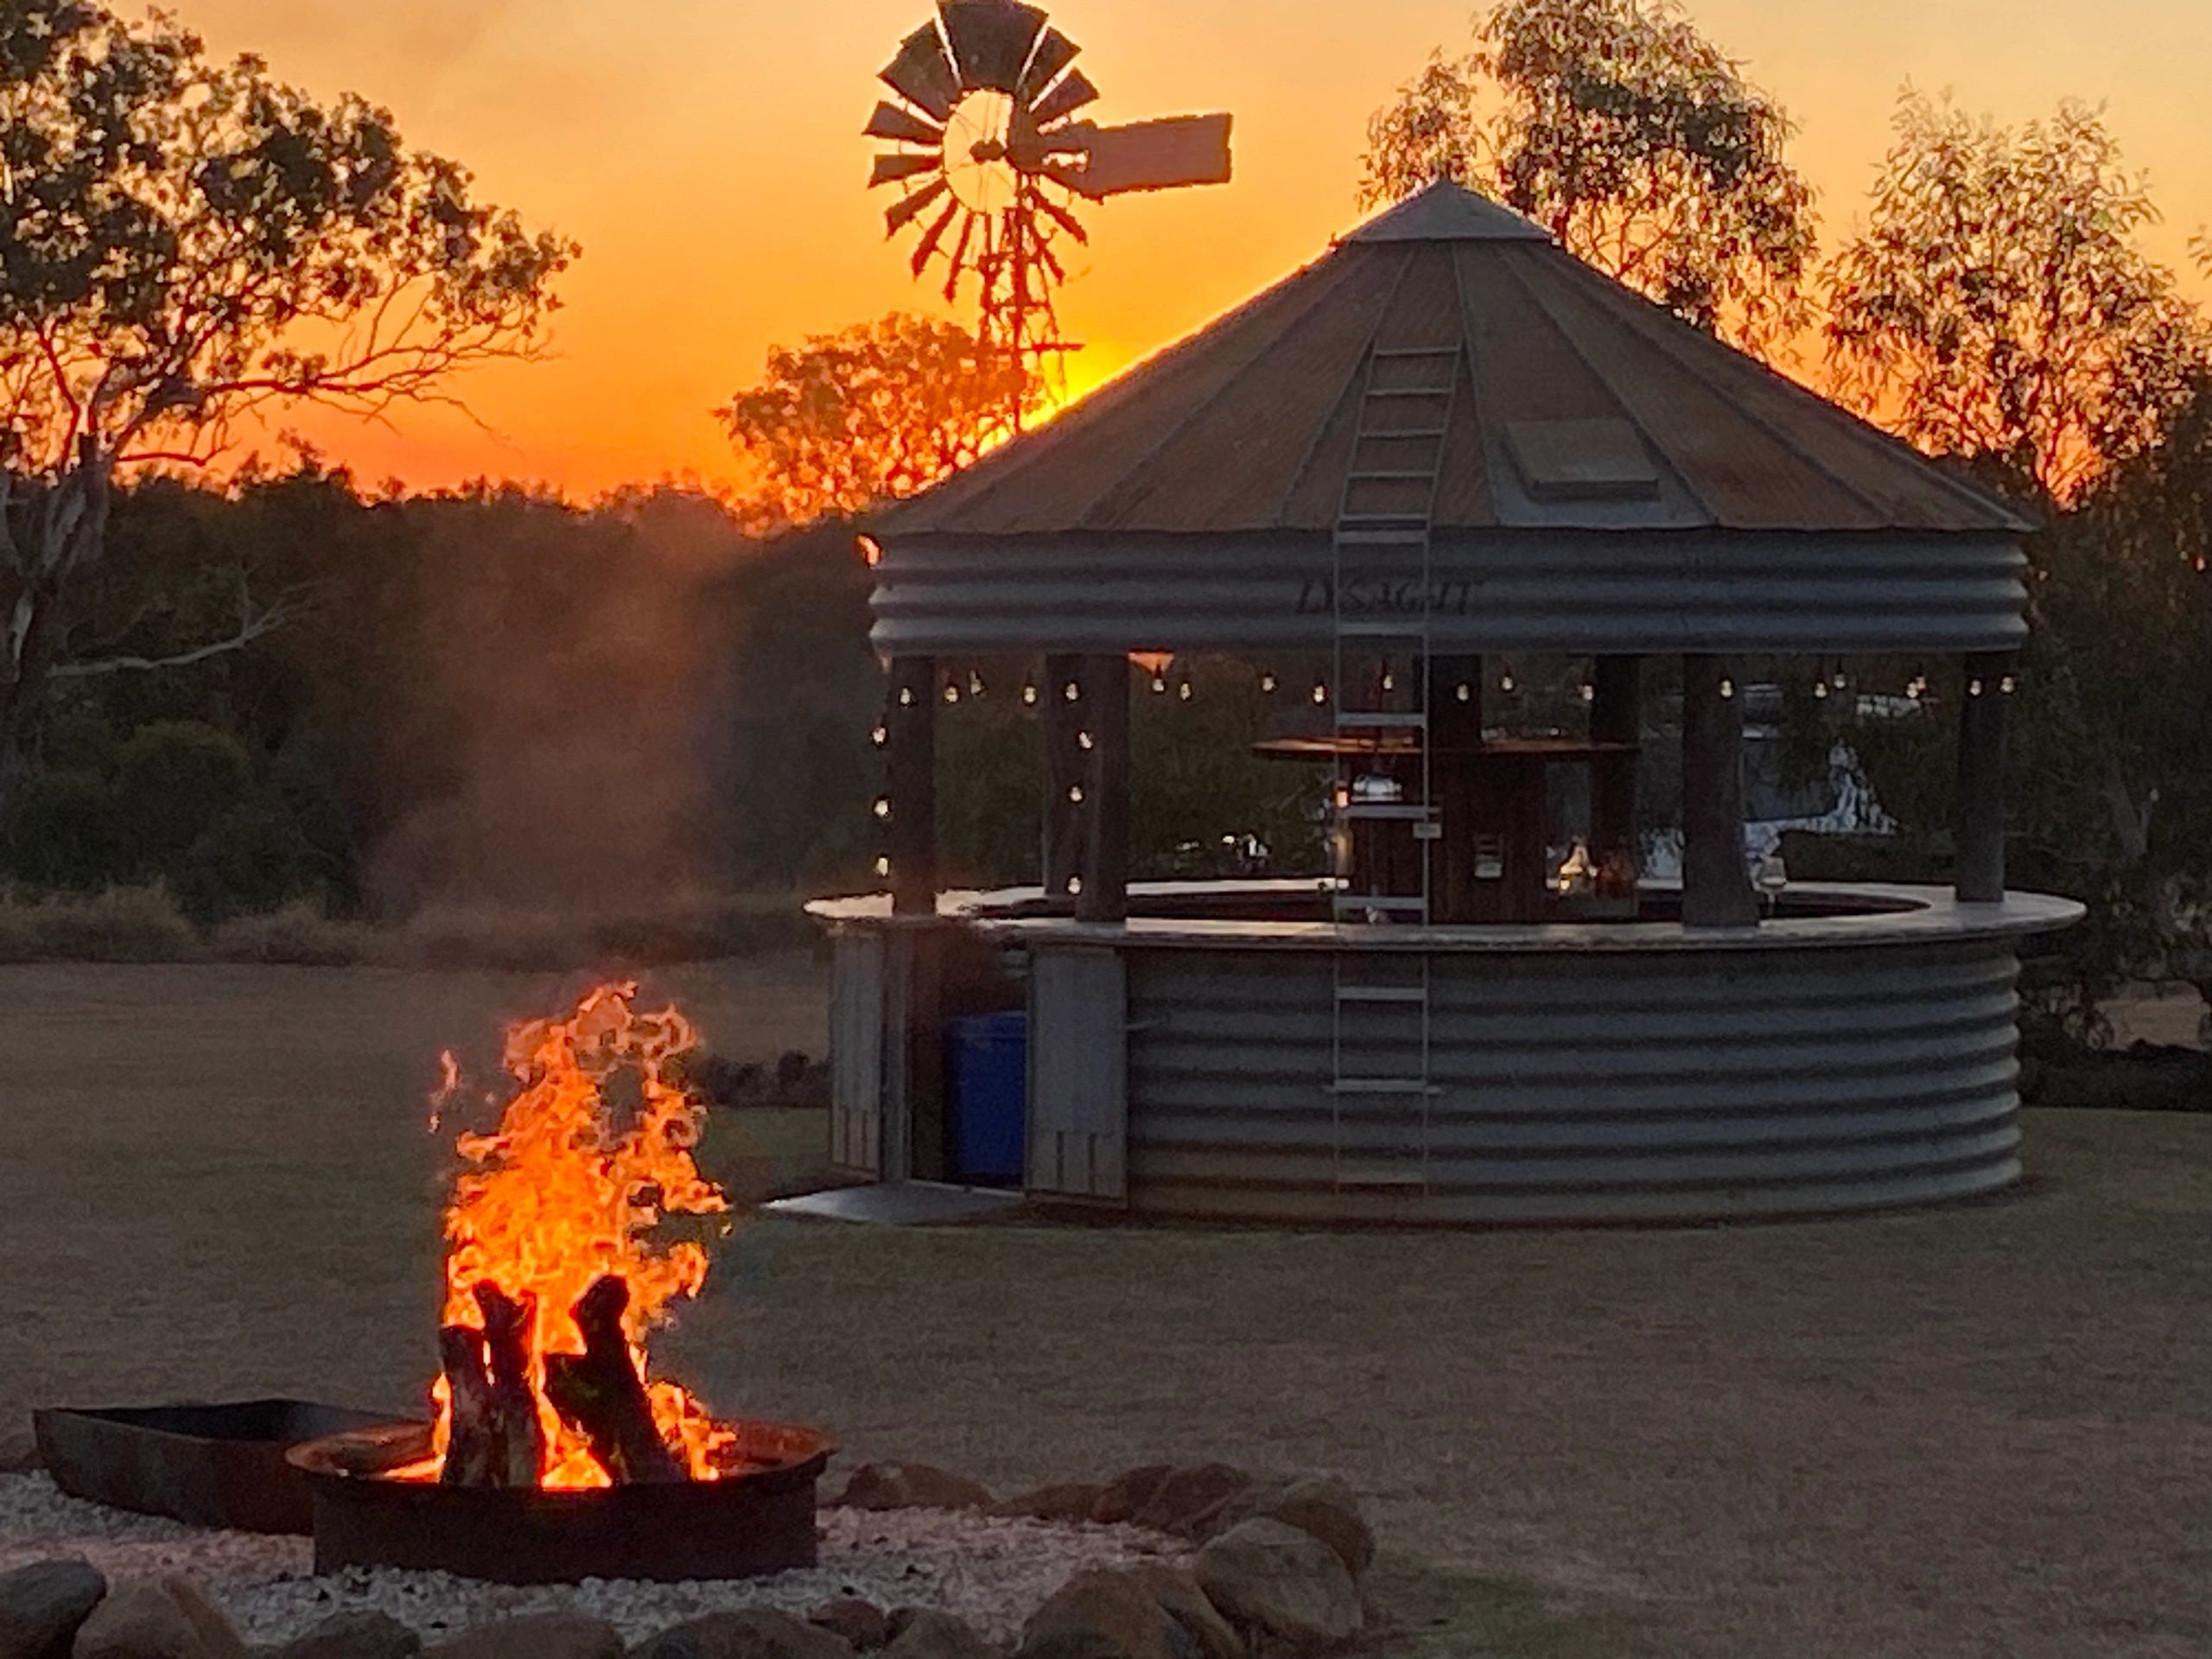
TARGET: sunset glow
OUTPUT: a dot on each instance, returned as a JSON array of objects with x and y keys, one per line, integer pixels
[{"x": 708, "y": 156}]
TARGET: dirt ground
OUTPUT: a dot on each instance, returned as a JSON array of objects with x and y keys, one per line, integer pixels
[{"x": 1980, "y": 1430}]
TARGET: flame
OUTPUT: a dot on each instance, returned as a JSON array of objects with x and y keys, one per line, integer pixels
[{"x": 567, "y": 1190}]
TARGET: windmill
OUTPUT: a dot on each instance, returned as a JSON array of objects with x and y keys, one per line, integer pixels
[{"x": 992, "y": 163}]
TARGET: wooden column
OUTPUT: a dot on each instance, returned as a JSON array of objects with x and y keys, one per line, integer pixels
[
  {"x": 1455, "y": 733},
  {"x": 910, "y": 727},
  {"x": 1066, "y": 768},
  {"x": 1105, "y": 896},
  {"x": 1615, "y": 716},
  {"x": 1716, "y": 886},
  {"x": 1981, "y": 777}
]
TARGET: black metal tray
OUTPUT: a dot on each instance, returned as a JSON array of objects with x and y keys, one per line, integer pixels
[{"x": 219, "y": 1465}]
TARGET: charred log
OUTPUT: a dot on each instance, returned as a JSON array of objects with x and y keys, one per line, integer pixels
[
  {"x": 600, "y": 1394},
  {"x": 495, "y": 1439}
]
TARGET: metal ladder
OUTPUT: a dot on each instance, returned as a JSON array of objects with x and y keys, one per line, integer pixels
[{"x": 1384, "y": 584}]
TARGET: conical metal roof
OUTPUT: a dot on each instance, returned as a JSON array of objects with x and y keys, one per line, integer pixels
[{"x": 1567, "y": 378}]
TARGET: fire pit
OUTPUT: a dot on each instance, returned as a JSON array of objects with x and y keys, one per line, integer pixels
[
  {"x": 753, "y": 1519},
  {"x": 556, "y": 1455}
]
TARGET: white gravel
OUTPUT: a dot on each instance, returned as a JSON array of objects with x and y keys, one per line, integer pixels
[{"x": 993, "y": 1574}]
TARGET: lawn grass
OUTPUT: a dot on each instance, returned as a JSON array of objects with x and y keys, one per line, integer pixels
[{"x": 1985, "y": 1430}]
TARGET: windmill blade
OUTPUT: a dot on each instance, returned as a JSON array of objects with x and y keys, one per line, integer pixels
[
  {"x": 991, "y": 40},
  {"x": 1064, "y": 99},
  {"x": 959, "y": 258},
  {"x": 904, "y": 213},
  {"x": 890, "y": 169},
  {"x": 1054, "y": 54},
  {"x": 923, "y": 75},
  {"x": 890, "y": 122},
  {"x": 1052, "y": 262},
  {"x": 1061, "y": 217},
  {"x": 1169, "y": 154},
  {"x": 926, "y": 249}
]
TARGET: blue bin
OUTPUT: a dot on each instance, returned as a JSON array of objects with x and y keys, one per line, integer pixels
[{"x": 990, "y": 1095}]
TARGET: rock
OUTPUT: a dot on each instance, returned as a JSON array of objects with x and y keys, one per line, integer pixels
[
  {"x": 1188, "y": 1496},
  {"x": 534, "y": 1635},
  {"x": 1282, "y": 1582},
  {"x": 366, "y": 1635},
  {"x": 747, "y": 1633},
  {"x": 861, "y": 1622},
  {"x": 1128, "y": 1491},
  {"x": 156, "y": 1618},
  {"x": 42, "y": 1605},
  {"x": 19, "y": 1450},
  {"x": 1322, "y": 1505},
  {"x": 1100, "y": 1615},
  {"x": 1177, "y": 1593},
  {"x": 1068, "y": 1503},
  {"x": 912, "y": 1486},
  {"x": 927, "y": 1633}
]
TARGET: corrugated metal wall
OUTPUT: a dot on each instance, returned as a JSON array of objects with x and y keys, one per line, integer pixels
[
  {"x": 1585, "y": 1085},
  {"x": 1578, "y": 591}
]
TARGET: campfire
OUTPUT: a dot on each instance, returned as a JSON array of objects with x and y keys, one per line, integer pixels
[{"x": 556, "y": 1267}]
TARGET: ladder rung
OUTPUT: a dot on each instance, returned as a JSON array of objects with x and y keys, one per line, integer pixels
[
  {"x": 1418, "y": 630},
  {"x": 1403, "y": 520},
  {"x": 1390, "y": 478},
  {"x": 1416, "y": 351},
  {"x": 1380, "y": 993},
  {"x": 1425, "y": 433},
  {"x": 1382, "y": 538},
  {"x": 1383, "y": 1086},
  {"x": 1409, "y": 392},
  {"x": 1382, "y": 720},
  {"x": 1387, "y": 811},
  {"x": 1382, "y": 1177}
]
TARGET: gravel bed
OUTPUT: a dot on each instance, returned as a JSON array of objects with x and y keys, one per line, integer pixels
[{"x": 992, "y": 1573}]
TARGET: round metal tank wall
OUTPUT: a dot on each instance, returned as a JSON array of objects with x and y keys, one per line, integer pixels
[{"x": 1585, "y": 1085}]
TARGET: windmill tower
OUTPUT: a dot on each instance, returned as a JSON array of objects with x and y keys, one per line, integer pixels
[{"x": 993, "y": 163}]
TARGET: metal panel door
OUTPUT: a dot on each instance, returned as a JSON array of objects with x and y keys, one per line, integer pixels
[
  {"x": 857, "y": 986},
  {"x": 1078, "y": 1074}
]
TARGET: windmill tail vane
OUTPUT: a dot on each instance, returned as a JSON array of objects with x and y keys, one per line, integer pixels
[{"x": 993, "y": 165}]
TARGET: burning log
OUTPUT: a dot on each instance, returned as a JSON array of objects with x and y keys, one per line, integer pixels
[
  {"x": 496, "y": 1439},
  {"x": 600, "y": 1394}
]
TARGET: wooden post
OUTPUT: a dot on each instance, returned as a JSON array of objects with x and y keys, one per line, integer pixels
[
  {"x": 1716, "y": 886},
  {"x": 1105, "y": 896},
  {"x": 1455, "y": 734},
  {"x": 1066, "y": 768},
  {"x": 1981, "y": 776},
  {"x": 910, "y": 727},
  {"x": 1615, "y": 716}
]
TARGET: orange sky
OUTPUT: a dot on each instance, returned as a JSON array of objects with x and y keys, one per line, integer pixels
[{"x": 707, "y": 154}]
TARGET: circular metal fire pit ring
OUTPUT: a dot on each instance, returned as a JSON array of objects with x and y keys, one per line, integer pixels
[{"x": 752, "y": 1521}]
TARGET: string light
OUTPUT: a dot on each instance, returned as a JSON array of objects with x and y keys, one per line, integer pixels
[
  {"x": 879, "y": 736},
  {"x": 1073, "y": 692},
  {"x": 1029, "y": 697},
  {"x": 1075, "y": 794},
  {"x": 2009, "y": 684},
  {"x": 905, "y": 696},
  {"x": 1082, "y": 741},
  {"x": 883, "y": 867},
  {"x": 1505, "y": 683},
  {"x": 1840, "y": 681},
  {"x": 1158, "y": 684},
  {"x": 1268, "y": 683},
  {"x": 952, "y": 693},
  {"x": 1821, "y": 689},
  {"x": 974, "y": 684},
  {"x": 1973, "y": 687},
  {"x": 1320, "y": 692},
  {"x": 1589, "y": 692},
  {"x": 1390, "y": 681},
  {"x": 1075, "y": 885},
  {"x": 1185, "y": 691},
  {"x": 1466, "y": 692},
  {"x": 883, "y": 806},
  {"x": 1727, "y": 688}
]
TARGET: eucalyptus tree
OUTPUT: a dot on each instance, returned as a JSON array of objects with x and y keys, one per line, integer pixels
[
  {"x": 1636, "y": 140},
  {"x": 188, "y": 245}
]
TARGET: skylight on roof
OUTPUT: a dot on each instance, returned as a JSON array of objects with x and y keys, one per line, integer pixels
[{"x": 1582, "y": 461}]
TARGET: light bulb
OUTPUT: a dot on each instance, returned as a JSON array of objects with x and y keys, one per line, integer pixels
[
  {"x": 1158, "y": 684},
  {"x": 1839, "y": 681},
  {"x": 1320, "y": 694},
  {"x": 905, "y": 696},
  {"x": 2008, "y": 685},
  {"x": 1727, "y": 688},
  {"x": 1073, "y": 692},
  {"x": 1389, "y": 682},
  {"x": 953, "y": 694},
  {"x": 1183, "y": 691},
  {"x": 1589, "y": 692},
  {"x": 879, "y": 736},
  {"x": 1075, "y": 884},
  {"x": 1075, "y": 794},
  {"x": 1505, "y": 683},
  {"x": 1466, "y": 693},
  {"x": 1819, "y": 688},
  {"x": 883, "y": 867},
  {"x": 1973, "y": 687},
  {"x": 1268, "y": 683},
  {"x": 1029, "y": 696},
  {"x": 883, "y": 806},
  {"x": 1082, "y": 741}
]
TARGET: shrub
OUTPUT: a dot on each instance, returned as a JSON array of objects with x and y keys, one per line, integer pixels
[
  {"x": 117, "y": 925},
  {"x": 63, "y": 830},
  {"x": 298, "y": 934},
  {"x": 174, "y": 780}
]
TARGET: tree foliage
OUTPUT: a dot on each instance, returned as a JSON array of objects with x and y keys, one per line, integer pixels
[
  {"x": 881, "y": 410},
  {"x": 1634, "y": 139},
  {"x": 1996, "y": 306},
  {"x": 185, "y": 243}
]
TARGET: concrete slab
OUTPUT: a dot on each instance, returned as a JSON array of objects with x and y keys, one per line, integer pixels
[{"x": 901, "y": 1203}]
